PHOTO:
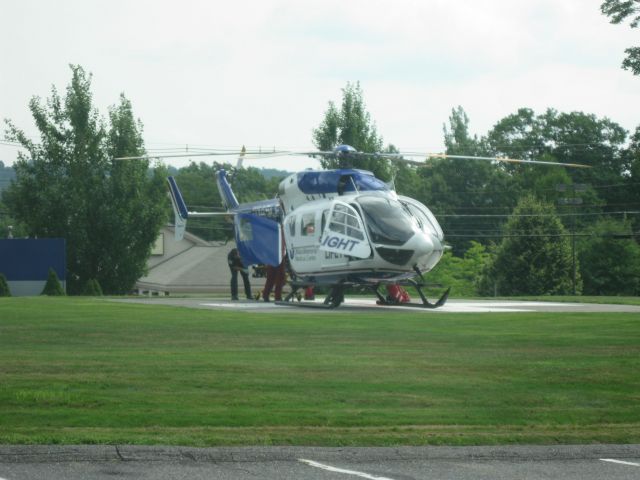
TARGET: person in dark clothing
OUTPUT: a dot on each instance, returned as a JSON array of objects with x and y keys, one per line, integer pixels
[{"x": 235, "y": 265}]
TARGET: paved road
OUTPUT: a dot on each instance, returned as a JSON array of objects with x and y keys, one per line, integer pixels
[
  {"x": 587, "y": 462},
  {"x": 365, "y": 305}
]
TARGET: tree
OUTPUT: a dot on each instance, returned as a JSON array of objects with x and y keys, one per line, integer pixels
[
  {"x": 4, "y": 286},
  {"x": 53, "y": 288},
  {"x": 618, "y": 11},
  {"x": 633, "y": 179},
  {"x": 92, "y": 288},
  {"x": 574, "y": 137},
  {"x": 9, "y": 227},
  {"x": 534, "y": 258},
  {"x": 70, "y": 186},
  {"x": 351, "y": 125},
  {"x": 453, "y": 187},
  {"x": 610, "y": 260}
]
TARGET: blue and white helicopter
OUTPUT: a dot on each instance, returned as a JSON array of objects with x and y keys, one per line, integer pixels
[{"x": 339, "y": 229}]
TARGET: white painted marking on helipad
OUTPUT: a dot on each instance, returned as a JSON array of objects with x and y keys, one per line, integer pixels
[
  {"x": 342, "y": 470},
  {"x": 239, "y": 305},
  {"x": 612, "y": 460},
  {"x": 464, "y": 307}
]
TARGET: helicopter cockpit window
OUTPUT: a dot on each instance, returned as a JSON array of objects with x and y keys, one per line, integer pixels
[
  {"x": 308, "y": 224},
  {"x": 423, "y": 220},
  {"x": 343, "y": 221},
  {"x": 427, "y": 221},
  {"x": 387, "y": 220}
]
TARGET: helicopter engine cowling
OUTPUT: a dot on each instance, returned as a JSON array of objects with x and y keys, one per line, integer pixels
[{"x": 307, "y": 186}]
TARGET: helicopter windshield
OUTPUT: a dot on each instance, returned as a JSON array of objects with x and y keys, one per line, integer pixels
[{"x": 387, "y": 220}]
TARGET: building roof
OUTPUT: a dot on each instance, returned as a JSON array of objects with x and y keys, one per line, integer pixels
[{"x": 190, "y": 265}]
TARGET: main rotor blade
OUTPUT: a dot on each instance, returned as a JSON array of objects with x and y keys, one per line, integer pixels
[
  {"x": 248, "y": 154},
  {"x": 399, "y": 157},
  {"x": 402, "y": 157},
  {"x": 489, "y": 159}
]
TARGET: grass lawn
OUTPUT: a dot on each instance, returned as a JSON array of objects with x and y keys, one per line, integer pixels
[{"x": 78, "y": 370}]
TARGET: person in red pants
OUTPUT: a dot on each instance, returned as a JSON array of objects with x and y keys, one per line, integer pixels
[
  {"x": 396, "y": 294},
  {"x": 275, "y": 278},
  {"x": 308, "y": 293}
]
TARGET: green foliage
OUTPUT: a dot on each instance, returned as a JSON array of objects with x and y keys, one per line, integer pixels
[
  {"x": 574, "y": 137},
  {"x": 460, "y": 191},
  {"x": 633, "y": 179},
  {"x": 7, "y": 175},
  {"x": 453, "y": 187},
  {"x": 610, "y": 260},
  {"x": 53, "y": 287},
  {"x": 534, "y": 257},
  {"x": 92, "y": 288},
  {"x": 461, "y": 274},
  {"x": 351, "y": 125},
  {"x": 70, "y": 186},
  {"x": 618, "y": 11},
  {"x": 8, "y": 224},
  {"x": 4, "y": 286},
  {"x": 250, "y": 185}
]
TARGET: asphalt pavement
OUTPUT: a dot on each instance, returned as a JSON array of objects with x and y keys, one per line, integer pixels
[{"x": 89, "y": 462}]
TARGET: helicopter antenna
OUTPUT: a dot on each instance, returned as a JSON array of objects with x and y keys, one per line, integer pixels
[{"x": 392, "y": 183}]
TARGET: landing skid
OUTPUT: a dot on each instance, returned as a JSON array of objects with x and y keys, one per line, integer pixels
[
  {"x": 382, "y": 300},
  {"x": 333, "y": 300}
]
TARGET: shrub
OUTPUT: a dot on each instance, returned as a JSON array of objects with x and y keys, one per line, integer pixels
[
  {"x": 4, "y": 286},
  {"x": 53, "y": 286},
  {"x": 92, "y": 288}
]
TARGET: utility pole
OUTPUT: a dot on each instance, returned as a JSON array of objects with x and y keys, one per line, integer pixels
[{"x": 574, "y": 202}]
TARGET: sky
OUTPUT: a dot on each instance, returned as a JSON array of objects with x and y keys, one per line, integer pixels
[{"x": 260, "y": 73}]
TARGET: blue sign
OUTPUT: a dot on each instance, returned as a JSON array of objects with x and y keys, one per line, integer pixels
[{"x": 29, "y": 259}]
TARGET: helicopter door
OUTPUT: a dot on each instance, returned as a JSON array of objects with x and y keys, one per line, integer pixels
[
  {"x": 258, "y": 239},
  {"x": 344, "y": 233}
]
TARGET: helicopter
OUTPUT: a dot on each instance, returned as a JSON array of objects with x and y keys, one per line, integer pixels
[{"x": 337, "y": 229}]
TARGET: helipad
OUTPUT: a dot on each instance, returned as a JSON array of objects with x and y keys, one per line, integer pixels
[{"x": 365, "y": 305}]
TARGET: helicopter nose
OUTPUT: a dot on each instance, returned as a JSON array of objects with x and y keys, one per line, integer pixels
[
  {"x": 435, "y": 241},
  {"x": 425, "y": 244},
  {"x": 429, "y": 252}
]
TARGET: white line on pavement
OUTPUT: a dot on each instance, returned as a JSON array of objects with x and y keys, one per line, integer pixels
[
  {"x": 341, "y": 470},
  {"x": 620, "y": 462}
]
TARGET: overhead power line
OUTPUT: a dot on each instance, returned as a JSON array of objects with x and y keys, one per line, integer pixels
[
  {"x": 501, "y": 215},
  {"x": 547, "y": 235}
]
